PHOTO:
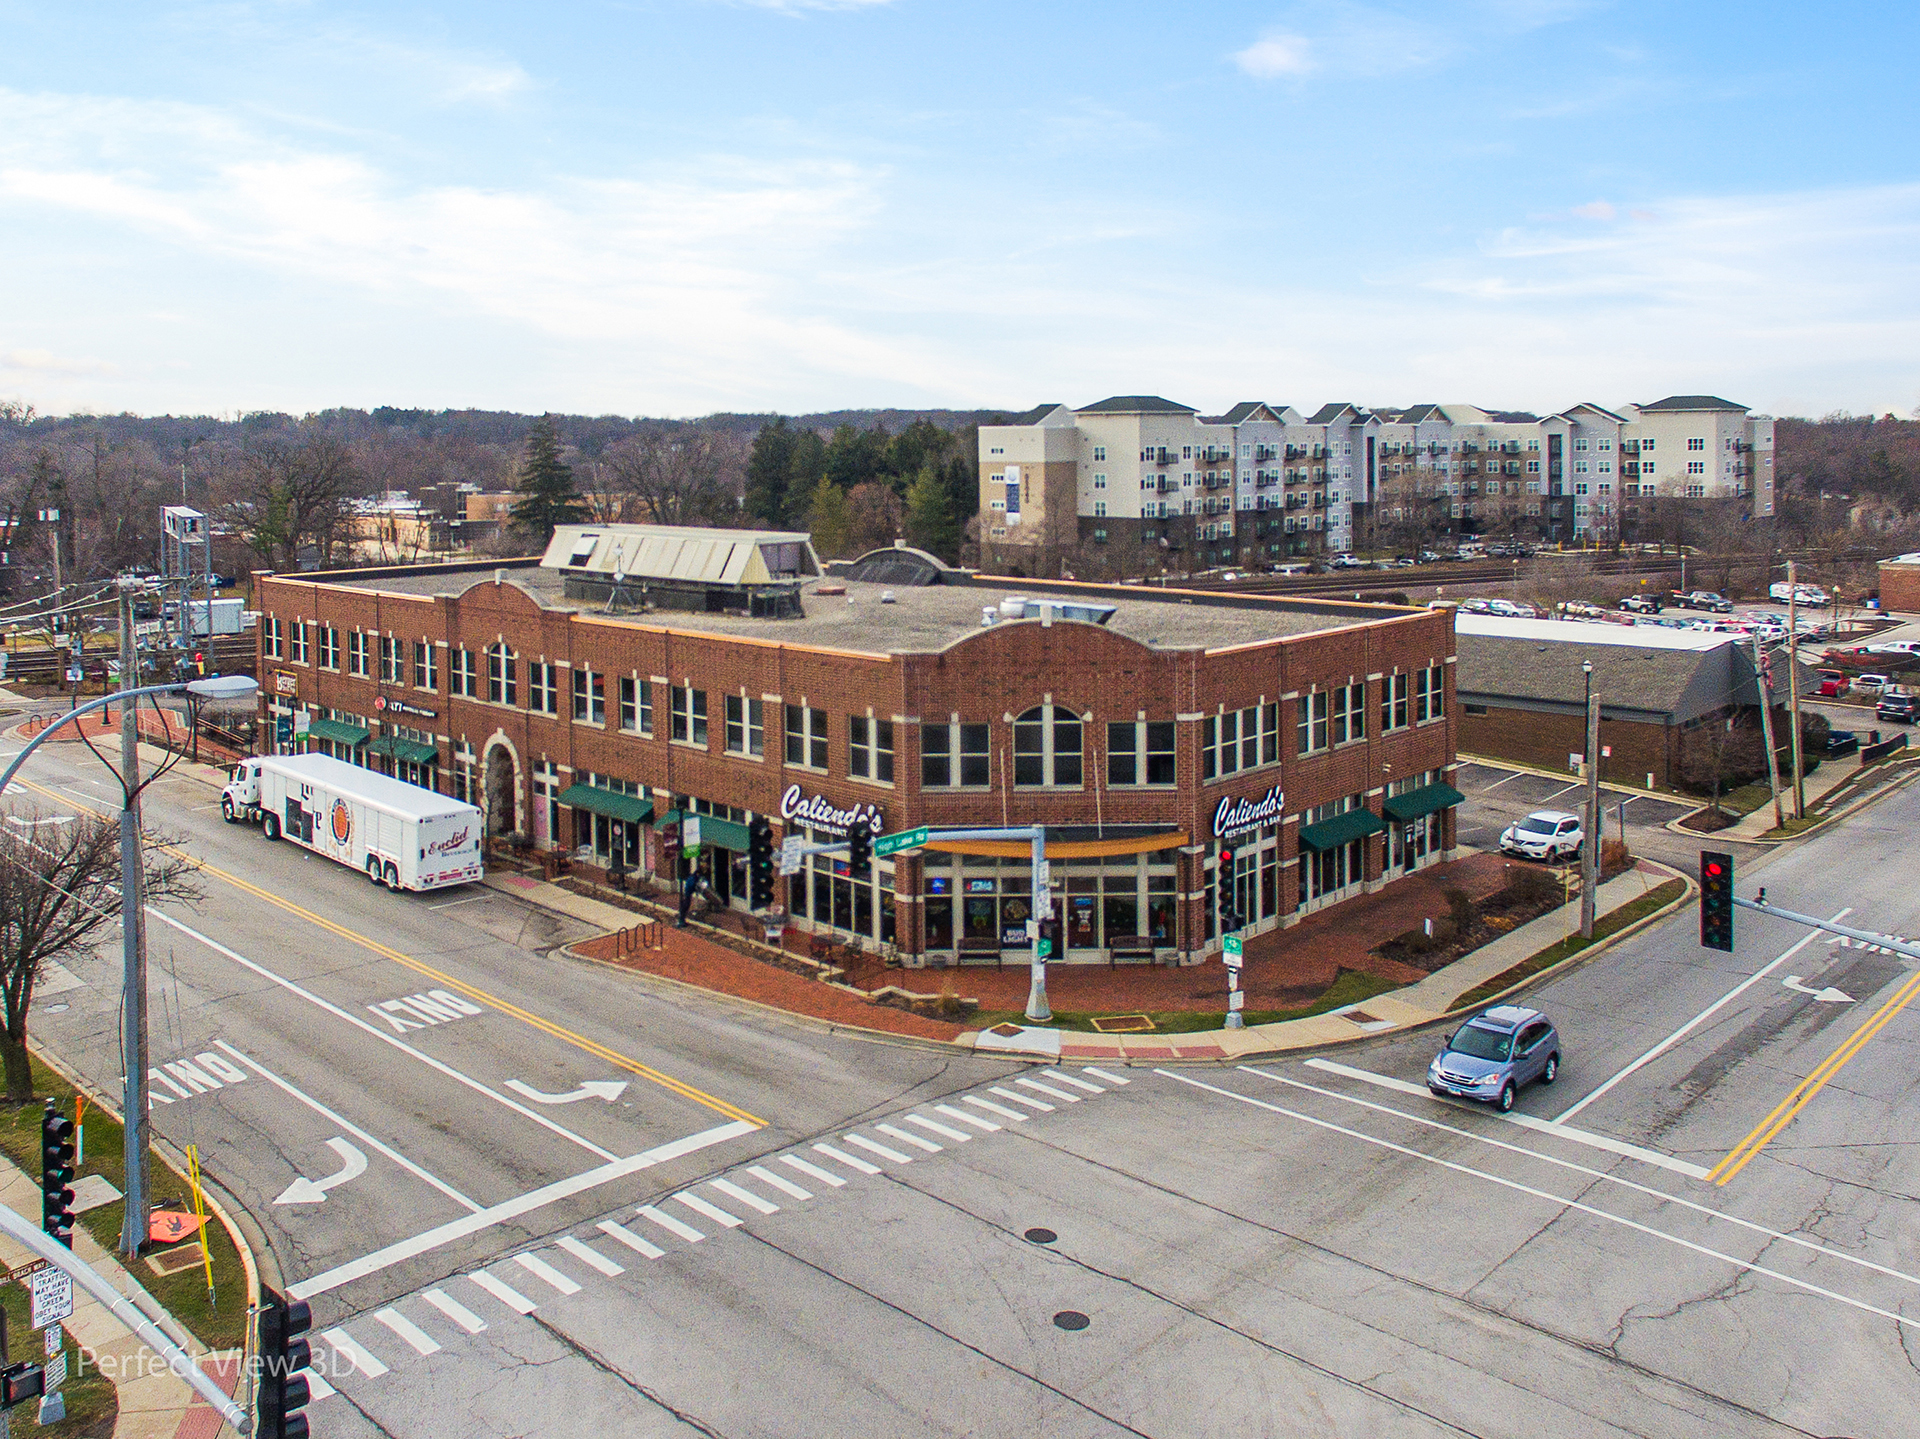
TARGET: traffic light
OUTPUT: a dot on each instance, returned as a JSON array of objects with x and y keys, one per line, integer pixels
[
  {"x": 283, "y": 1390},
  {"x": 56, "y": 1175},
  {"x": 1716, "y": 900},
  {"x": 859, "y": 852},
  {"x": 200, "y": 663},
  {"x": 1229, "y": 921},
  {"x": 760, "y": 863}
]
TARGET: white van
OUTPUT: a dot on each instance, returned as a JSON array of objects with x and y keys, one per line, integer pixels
[{"x": 1802, "y": 594}]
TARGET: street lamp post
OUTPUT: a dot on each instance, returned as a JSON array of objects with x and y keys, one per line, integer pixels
[
  {"x": 133, "y": 1231},
  {"x": 1590, "y": 849}
]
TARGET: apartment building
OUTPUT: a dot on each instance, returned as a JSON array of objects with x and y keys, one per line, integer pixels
[{"x": 1262, "y": 482}]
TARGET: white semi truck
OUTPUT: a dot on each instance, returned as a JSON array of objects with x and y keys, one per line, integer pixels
[{"x": 397, "y": 834}]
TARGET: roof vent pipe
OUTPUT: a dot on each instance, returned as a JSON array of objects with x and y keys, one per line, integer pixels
[
  {"x": 986, "y": 616},
  {"x": 499, "y": 577}
]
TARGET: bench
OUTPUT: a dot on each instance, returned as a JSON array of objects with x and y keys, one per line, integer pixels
[
  {"x": 979, "y": 946},
  {"x": 1132, "y": 948}
]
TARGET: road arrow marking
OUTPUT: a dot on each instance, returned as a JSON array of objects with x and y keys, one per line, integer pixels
[
  {"x": 607, "y": 1089},
  {"x": 312, "y": 1191},
  {"x": 1829, "y": 995}
]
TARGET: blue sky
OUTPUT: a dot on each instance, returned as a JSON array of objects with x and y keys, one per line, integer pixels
[{"x": 678, "y": 206}]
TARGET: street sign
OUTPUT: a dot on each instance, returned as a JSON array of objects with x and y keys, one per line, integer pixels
[
  {"x": 690, "y": 834},
  {"x": 1043, "y": 873},
  {"x": 905, "y": 839},
  {"x": 1231, "y": 951},
  {"x": 74, "y": 674},
  {"x": 1043, "y": 948},
  {"x": 790, "y": 855},
  {"x": 1043, "y": 904},
  {"x": 52, "y": 1291},
  {"x": 1236, "y": 1001},
  {"x": 283, "y": 729}
]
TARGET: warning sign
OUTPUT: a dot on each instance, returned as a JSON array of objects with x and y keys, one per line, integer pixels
[
  {"x": 52, "y": 1291},
  {"x": 170, "y": 1226}
]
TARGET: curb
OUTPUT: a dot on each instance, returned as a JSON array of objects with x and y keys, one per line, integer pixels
[{"x": 1853, "y": 807}]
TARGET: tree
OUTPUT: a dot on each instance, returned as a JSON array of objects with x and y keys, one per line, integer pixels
[
  {"x": 548, "y": 496},
  {"x": 830, "y": 518},
  {"x": 289, "y": 494},
  {"x": 59, "y": 897},
  {"x": 930, "y": 521},
  {"x": 676, "y": 475},
  {"x": 769, "y": 470},
  {"x": 876, "y": 516}
]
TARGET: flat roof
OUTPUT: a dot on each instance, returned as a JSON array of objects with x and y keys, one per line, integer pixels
[
  {"x": 1578, "y": 632},
  {"x": 922, "y": 618}
]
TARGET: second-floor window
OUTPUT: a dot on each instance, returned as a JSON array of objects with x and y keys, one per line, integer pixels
[
  {"x": 1393, "y": 702},
  {"x": 1239, "y": 739},
  {"x": 426, "y": 669},
  {"x": 503, "y": 683},
  {"x": 1047, "y": 747},
  {"x": 1140, "y": 752},
  {"x": 329, "y": 647},
  {"x": 299, "y": 636},
  {"x": 689, "y": 716},
  {"x": 1310, "y": 723},
  {"x": 1429, "y": 694},
  {"x": 465, "y": 673},
  {"x": 358, "y": 653},
  {"x": 271, "y": 638},
  {"x": 807, "y": 736},
  {"x": 543, "y": 687},
  {"x": 955, "y": 755},
  {"x": 746, "y": 726},
  {"x": 636, "y": 706},
  {"x": 870, "y": 748},
  {"x": 392, "y": 660},
  {"x": 589, "y": 697},
  {"x": 1349, "y": 713}
]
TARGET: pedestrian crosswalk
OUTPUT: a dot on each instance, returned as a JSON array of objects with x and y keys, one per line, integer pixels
[{"x": 568, "y": 1264}]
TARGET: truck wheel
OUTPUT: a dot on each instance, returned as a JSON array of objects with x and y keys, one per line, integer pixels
[
  {"x": 270, "y": 827},
  {"x": 373, "y": 869},
  {"x": 393, "y": 877},
  {"x": 226, "y": 810}
]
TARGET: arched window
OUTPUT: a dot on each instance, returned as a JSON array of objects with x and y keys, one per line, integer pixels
[{"x": 1047, "y": 748}]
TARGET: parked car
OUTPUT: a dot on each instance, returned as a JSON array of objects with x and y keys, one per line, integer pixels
[
  {"x": 1431, "y": 557},
  {"x": 1801, "y": 594},
  {"x": 1511, "y": 609},
  {"x": 1872, "y": 684},
  {"x": 1832, "y": 684},
  {"x": 1901, "y": 707},
  {"x": 1893, "y": 647},
  {"x": 1549, "y": 834},
  {"x": 1709, "y": 600},
  {"x": 1841, "y": 741},
  {"x": 1640, "y": 605},
  {"x": 1494, "y": 1055},
  {"x": 1348, "y": 562},
  {"x": 1476, "y": 607}
]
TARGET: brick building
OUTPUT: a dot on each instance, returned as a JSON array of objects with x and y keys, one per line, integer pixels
[{"x": 640, "y": 673}]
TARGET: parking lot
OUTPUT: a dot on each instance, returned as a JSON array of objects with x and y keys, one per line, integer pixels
[{"x": 1498, "y": 795}]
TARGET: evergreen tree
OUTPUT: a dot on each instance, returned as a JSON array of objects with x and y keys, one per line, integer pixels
[
  {"x": 931, "y": 524},
  {"x": 770, "y": 473},
  {"x": 545, "y": 485},
  {"x": 830, "y": 518}
]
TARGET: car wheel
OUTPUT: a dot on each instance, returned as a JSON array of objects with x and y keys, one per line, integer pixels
[
  {"x": 226, "y": 810},
  {"x": 1552, "y": 1071},
  {"x": 1506, "y": 1099},
  {"x": 373, "y": 869},
  {"x": 393, "y": 877},
  {"x": 270, "y": 827}
]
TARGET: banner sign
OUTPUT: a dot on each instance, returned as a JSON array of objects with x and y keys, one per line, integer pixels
[
  {"x": 1233, "y": 816},
  {"x": 816, "y": 811},
  {"x": 405, "y": 707}
]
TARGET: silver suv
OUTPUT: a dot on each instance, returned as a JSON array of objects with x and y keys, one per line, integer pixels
[{"x": 1494, "y": 1055}]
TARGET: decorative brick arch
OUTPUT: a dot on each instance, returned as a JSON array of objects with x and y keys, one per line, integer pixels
[{"x": 502, "y": 788}]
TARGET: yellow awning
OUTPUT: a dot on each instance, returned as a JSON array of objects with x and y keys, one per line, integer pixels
[{"x": 1061, "y": 849}]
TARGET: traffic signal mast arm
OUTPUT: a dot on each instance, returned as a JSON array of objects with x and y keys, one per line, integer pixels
[
  {"x": 934, "y": 835},
  {"x": 1877, "y": 941}
]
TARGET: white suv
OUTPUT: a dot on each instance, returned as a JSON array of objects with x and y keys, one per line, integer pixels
[{"x": 1549, "y": 834}]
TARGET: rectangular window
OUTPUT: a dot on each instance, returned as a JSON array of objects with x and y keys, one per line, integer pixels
[
  {"x": 1349, "y": 713},
  {"x": 1310, "y": 723},
  {"x": 1429, "y": 695},
  {"x": 465, "y": 673},
  {"x": 358, "y": 653},
  {"x": 1696, "y": 467},
  {"x": 392, "y": 660},
  {"x": 1696, "y": 444},
  {"x": 636, "y": 706},
  {"x": 806, "y": 736},
  {"x": 936, "y": 756},
  {"x": 299, "y": 643},
  {"x": 1140, "y": 753},
  {"x": 1393, "y": 702},
  {"x": 1239, "y": 739},
  {"x": 955, "y": 754},
  {"x": 746, "y": 726},
  {"x": 589, "y": 697},
  {"x": 689, "y": 718},
  {"x": 426, "y": 668},
  {"x": 503, "y": 681},
  {"x": 870, "y": 748},
  {"x": 1100, "y": 452},
  {"x": 270, "y": 638},
  {"x": 543, "y": 687}
]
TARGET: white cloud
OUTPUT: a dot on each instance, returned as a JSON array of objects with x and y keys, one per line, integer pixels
[
  {"x": 1276, "y": 55},
  {"x": 38, "y": 364},
  {"x": 1595, "y": 210}
]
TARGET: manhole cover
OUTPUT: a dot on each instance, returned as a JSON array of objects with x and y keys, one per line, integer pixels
[
  {"x": 1071, "y": 1319},
  {"x": 1041, "y": 1236}
]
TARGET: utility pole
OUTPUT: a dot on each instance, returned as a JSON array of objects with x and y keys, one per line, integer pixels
[
  {"x": 1793, "y": 688},
  {"x": 1762, "y": 683},
  {"x": 1590, "y": 847},
  {"x": 1038, "y": 1010},
  {"x": 133, "y": 943}
]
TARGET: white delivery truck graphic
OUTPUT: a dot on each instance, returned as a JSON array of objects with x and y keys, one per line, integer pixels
[{"x": 398, "y": 834}]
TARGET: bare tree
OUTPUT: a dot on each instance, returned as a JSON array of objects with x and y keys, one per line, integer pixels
[
  {"x": 677, "y": 475},
  {"x": 289, "y": 494},
  {"x": 60, "y": 896}
]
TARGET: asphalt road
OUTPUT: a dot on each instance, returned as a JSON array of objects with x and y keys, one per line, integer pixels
[
  {"x": 1497, "y": 796},
  {"x": 908, "y": 1243}
]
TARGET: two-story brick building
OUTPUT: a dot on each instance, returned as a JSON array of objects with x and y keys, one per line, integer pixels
[{"x": 636, "y": 674}]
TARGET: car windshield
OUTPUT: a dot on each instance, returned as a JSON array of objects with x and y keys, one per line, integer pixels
[
  {"x": 1481, "y": 1044},
  {"x": 1533, "y": 824}
]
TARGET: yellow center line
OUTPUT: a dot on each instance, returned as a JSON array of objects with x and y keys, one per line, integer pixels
[
  {"x": 473, "y": 992},
  {"x": 1783, "y": 1113}
]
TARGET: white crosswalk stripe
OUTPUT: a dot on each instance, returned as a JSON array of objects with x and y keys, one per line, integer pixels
[
  {"x": 1026, "y": 1099},
  {"x": 455, "y": 1310},
  {"x": 422, "y": 1342},
  {"x": 814, "y": 1170},
  {"x": 1070, "y": 1079},
  {"x": 1102, "y": 1074},
  {"x": 905, "y": 1138},
  {"x": 589, "y": 1256},
  {"x": 1048, "y": 1090},
  {"x": 743, "y": 1196},
  {"x": 712, "y": 1211},
  {"x": 349, "y": 1349},
  {"x": 985, "y": 1125},
  {"x": 860, "y": 1141},
  {"x": 633, "y": 1241},
  {"x": 859, "y": 1166},
  {"x": 504, "y": 1292},
  {"x": 943, "y": 1130},
  {"x": 317, "y": 1388},
  {"x": 785, "y": 1186},
  {"x": 673, "y": 1226},
  {"x": 546, "y": 1273}
]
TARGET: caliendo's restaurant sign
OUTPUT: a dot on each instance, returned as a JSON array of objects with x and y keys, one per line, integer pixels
[
  {"x": 816, "y": 811},
  {"x": 1236, "y": 815}
]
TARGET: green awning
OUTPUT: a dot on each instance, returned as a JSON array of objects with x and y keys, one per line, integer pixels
[
  {"x": 611, "y": 803},
  {"x": 1419, "y": 803},
  {"x": 727, "y": 833},
  {"x": 1341, "y": 829},
  {"x": 338, "y": 731},
  {"x": 412, "y": 751}
]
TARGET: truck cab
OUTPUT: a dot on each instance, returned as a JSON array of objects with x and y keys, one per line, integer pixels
[{"x": 241, "y": 798}]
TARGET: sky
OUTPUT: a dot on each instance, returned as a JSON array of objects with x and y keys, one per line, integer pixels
[{"x": 673, "y": 207}]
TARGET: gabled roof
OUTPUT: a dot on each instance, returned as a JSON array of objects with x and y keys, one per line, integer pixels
[
  {"x": 1681, "y": 403},
  {"x": 1512, "y": 417},
  {"x": 1414, "y": 414},
  {"x": 1598, "y": 410},
  {"x": 1327, "y": 414},
  {"x": 1035, "y": 415},
  {"x": 1243, "y": 411},
  {"x": 1136, "y": 405}
]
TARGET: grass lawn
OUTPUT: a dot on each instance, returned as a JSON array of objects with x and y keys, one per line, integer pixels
[
  {"x": 93, "y": 1406},
  {"x": 218, "y": 1321},
  {"x": 1607, "y": 924},
  {"x": 1349, "y": 987}
]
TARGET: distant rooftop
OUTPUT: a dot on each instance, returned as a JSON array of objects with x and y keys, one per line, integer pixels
[
  {"x": 1136, "y": 405},
  {"x": 1680, "y": 403}
]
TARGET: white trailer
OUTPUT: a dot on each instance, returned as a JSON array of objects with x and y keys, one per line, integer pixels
[{"x": 397, "y": 834}]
